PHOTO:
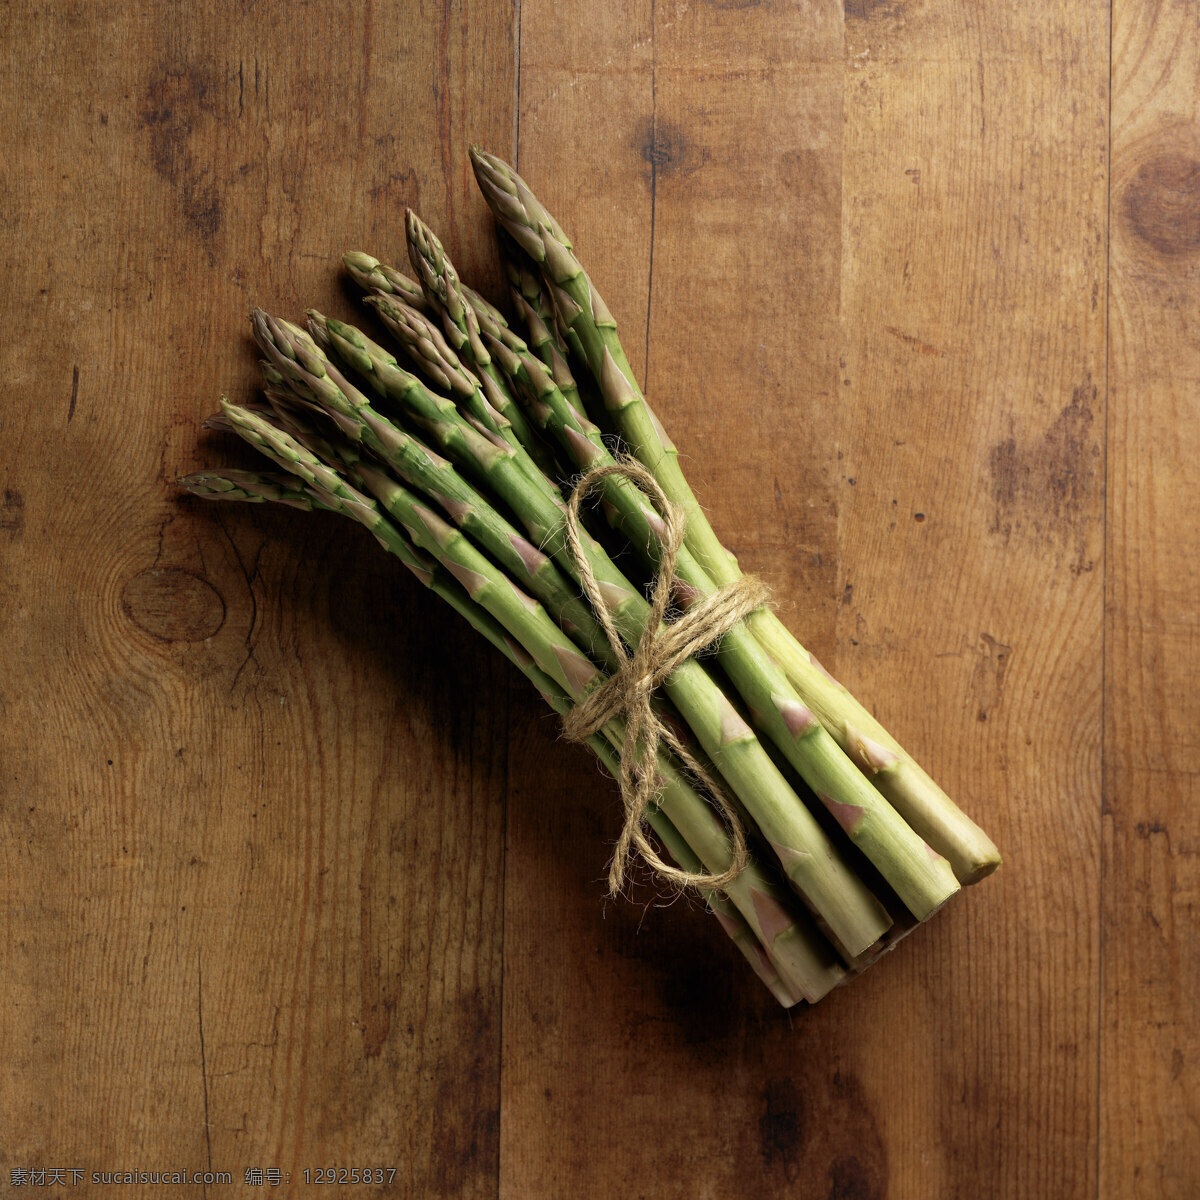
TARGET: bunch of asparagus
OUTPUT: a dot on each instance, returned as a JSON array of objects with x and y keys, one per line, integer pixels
[{"x": 459, "y": 464}]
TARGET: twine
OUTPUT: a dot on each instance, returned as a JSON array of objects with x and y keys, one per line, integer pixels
[{"x": 629, "y": 691}]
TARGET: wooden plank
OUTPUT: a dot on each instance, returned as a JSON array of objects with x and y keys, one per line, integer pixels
[
  {"x": 1150, "y": 1067},
  {"x": 911, "y": 215},
  {"x": 970, "y": 555},
  {"x": 253, "y": 820}
]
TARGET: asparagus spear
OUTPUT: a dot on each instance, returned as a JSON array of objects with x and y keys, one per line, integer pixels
[
  {"x": 373, "y": 276},
  {"x": 443, "y": 293},
  {"x": 854, "y": 916},
  {"x": 926, "y": 808},
  {"x": 253, "y": 486}
]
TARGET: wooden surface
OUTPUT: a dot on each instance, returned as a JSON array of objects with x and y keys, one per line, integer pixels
[{"x": 295, "y": 874}]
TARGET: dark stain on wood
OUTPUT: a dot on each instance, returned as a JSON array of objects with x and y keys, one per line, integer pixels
[
  {"x": 865, "y": 10},
  {"x": 859, "y": 1172},
  {"x": 987, "y": 682},
  {"x": 849, "y": 1180},
  {"x": 400, "y": 190},
  {"x": 781, "y": 1128},
  {"x": 12, "y": 513},
  {"x": 1162, "y": 204},
  {"x": 817, "y": 1132},
  {"x": 174, "y": 108},
  {"x": 173, "y": 604},
  {"x": 1045, "y": 486},
  {"x": 921, "y": 347}
]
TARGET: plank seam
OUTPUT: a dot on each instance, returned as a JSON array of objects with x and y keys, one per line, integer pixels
[
  {"x": 516, "y": 133},
  {"x": 1104, "y": 621},
  {"x": 653, "y": 155},
  {"x": 503, "y": 906}
]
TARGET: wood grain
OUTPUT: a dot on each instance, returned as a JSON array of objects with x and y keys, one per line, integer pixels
[
  {"x": 296, "y": 875},
  {"x": 252, "y": 835},
  {"x": 1150, "y": 1049}
]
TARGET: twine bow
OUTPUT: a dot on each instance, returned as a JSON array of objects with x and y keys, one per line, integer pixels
[{"x": 629, "y": 690}]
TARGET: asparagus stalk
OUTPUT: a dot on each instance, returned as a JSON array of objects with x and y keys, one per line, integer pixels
[
  {"x": 926, "y": 808},
  {"x": 893, "y": 771},
  {"x": 853, "y": 915}
]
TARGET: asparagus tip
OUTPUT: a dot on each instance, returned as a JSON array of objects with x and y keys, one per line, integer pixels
[{"x": 357, "y": 261}]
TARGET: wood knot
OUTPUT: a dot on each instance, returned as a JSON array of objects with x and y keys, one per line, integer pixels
[
  {"x": 1162, "y": 203},
  {"x": 173, "y": 604},
  {"x": 667, "y": 150}
]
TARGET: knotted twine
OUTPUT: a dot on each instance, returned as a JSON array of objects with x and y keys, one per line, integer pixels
[{"x": 629, "y": 690}]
